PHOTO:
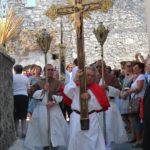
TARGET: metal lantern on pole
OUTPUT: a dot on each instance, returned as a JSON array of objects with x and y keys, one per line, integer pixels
[
  {"x": 101, "y": 34},
  {"x": 44, "y": 40}
]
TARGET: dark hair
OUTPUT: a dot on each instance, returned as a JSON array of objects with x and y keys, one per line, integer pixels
[
  {"x": 93, "y": 64},
  {"x": 141, "y": 66},
  {"x": 45, "y": 67},
  {"x": 109, "y": 69},
  {"x": 76, "y": 62},
  {"x": 18, "y": 69},
  {"x": 123, "y": 62},
  {"x": 116, "y": 72}
]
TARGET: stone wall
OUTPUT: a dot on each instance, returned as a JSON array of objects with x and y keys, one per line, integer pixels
[
  {"x": 126, "y": 21},
  {"x": 147, "y": 4},
  {"x": 7, "y": 130}
]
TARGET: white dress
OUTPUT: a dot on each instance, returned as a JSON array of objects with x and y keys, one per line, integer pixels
[
  {"x": 37, "y": 133},
  {"x": 115, "y": 129},
  {"x": 74, "y": 71},
  {"x": 114, "y": 125},
  {"x": 68, "y": 76},
  {"x": 91, "y": 139}
]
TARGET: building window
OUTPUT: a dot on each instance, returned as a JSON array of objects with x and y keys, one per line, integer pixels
[{"x": 31, "y": 3}]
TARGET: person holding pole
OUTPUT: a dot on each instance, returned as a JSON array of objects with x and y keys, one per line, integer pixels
[
  {"x": 91, "y": 139},
  {"x": 37, "y": 133}
]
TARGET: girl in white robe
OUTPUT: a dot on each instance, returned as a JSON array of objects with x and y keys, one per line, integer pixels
[
  {"x": 91, "y": 139},
  {"x": 37, "y": 133}
]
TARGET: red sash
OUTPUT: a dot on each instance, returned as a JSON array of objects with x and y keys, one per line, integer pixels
[{"x": 99, "y": 94}]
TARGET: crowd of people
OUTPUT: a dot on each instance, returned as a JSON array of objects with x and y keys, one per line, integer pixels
[{"x": 53, "y": 106}]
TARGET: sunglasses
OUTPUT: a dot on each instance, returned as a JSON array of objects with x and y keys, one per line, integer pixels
[
  {"x": 50, "y": 69},
  {"x": 129, "y": 66}
]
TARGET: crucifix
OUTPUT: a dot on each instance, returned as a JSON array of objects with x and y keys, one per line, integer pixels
[{"x": 79, "y": 9}]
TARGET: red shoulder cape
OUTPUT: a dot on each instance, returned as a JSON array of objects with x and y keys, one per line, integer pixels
[{"x": 99, "y": 94}]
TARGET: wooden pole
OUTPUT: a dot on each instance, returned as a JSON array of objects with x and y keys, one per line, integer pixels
[
  {"x": 48, "y": 113},
  {"x": 84, "y": 118},
  {"x": 62, "y": 61},
  {"x": 102, "y": 58}
]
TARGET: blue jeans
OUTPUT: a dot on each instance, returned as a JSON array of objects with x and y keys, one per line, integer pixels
[{"x": 32, "y": 105}]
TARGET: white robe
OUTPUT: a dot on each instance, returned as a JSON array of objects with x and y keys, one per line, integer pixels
[
  {"x": 115, "y": 130},
  {"x": 37, "y": 133},
  {"x": 91, "y": 139},
  {"x": 114, "y": 125}
]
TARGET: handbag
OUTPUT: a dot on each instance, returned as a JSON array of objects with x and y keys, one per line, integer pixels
[{"x": 134, "y": 105}]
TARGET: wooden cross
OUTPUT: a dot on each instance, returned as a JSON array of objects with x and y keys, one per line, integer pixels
[{"x": 79, "y": 9}]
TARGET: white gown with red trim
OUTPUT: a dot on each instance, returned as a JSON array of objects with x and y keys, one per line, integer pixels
[{"x": 91, "y": 139}]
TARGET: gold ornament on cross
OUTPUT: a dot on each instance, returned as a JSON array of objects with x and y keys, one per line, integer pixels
[{"x": 58, "y": 10}]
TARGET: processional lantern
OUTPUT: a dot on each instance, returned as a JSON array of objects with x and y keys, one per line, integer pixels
[
  {"x": 44, "y": 40},
  {"x": 101, "y": 34}
]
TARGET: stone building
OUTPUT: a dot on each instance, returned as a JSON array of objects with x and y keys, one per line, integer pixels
[{"x": 126, "y": 21}]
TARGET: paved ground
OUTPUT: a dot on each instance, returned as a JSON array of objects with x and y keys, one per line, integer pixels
[
  {"x": 19, "y": 145},
  {"x": 125, "y": 146}
]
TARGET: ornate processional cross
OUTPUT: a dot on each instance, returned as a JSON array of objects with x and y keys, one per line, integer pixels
[{"x": 77, "y": 9}]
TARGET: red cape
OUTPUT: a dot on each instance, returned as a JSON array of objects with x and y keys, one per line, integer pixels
[{"x": 99, "y": 94}]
